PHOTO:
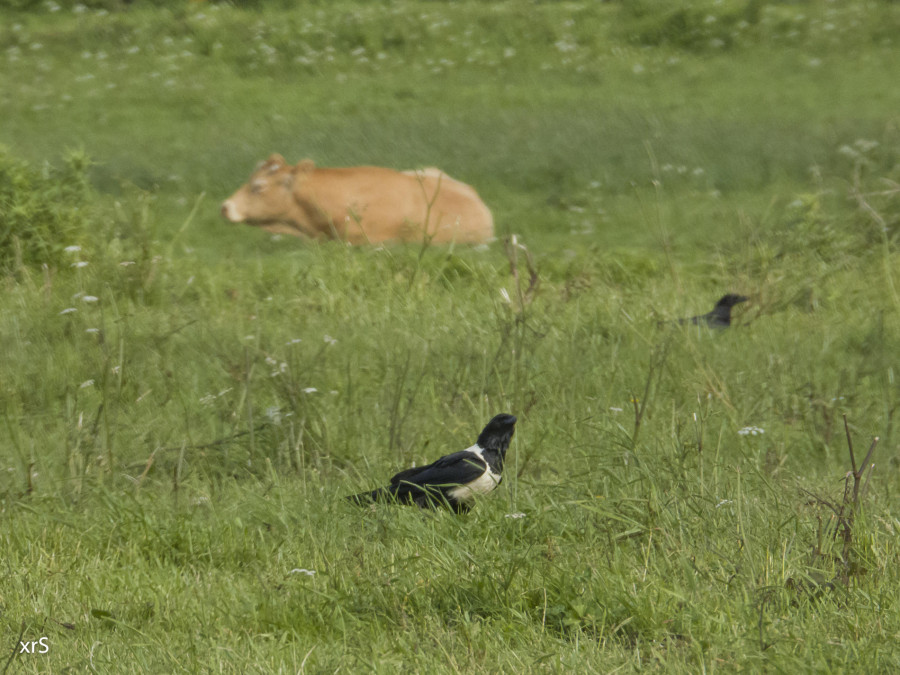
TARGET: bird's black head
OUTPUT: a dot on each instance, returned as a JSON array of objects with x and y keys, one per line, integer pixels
[
  {"x": 498, "y": 432},
  {"x": 731, "y": 300}
]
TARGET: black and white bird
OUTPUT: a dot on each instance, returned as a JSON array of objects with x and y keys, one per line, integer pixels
[
  {"x": 454, "y": 480},
  {"x": 720, "y": 316}
]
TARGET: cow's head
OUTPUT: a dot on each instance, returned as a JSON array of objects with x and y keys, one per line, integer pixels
[{"x": 268, "y": 196}]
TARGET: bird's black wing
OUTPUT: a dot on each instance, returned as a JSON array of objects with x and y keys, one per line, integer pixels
[{"x": 459, "y": 468}]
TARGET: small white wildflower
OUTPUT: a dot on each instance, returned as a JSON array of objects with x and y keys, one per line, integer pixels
[
  {"x": 615, "y": 409},
  {"x": 86, "y": 384},
  {"x": 68, "y": 310},
  {"x": 89, "y": 298},
  {"x": 865, "y": 145},
  {"x": 72, "y": 249},
  {"x": 514, "y": 516},
  {"x": 294, "y": 341},
  {"x": 91, "y": 330},
  {"x": 302, "y": 570},
  {"x": 201, "y": 500},
  {"x": 330, "y": 340},
  {"x": 270, "y": 361},
  {"x": 505, "y": 295},
  {"x": 126, "y": 263},
  {"x": 274, "y": 414},
  {"x": 80, "y": 264},
  {"x": 751, "y": 431},
  {"x": 310, "y": 390},
  {"x": 115, "y": 370},
  {"x": 724, "y": 502}
]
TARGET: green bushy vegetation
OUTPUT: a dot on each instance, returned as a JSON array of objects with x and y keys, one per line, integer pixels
[
  {"x": 42, "y": 208},
  {"x": 185, "y": 403}
]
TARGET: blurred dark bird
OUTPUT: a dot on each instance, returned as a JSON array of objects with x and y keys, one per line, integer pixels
[
  {"x": 720, "y": 316},
  {"x": 454, "y": 480}
]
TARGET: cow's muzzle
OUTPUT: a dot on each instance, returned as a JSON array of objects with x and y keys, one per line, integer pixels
[{"x": 230, "y": 211}]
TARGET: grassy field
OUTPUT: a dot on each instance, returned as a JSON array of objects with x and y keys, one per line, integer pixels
[{"x": 185, "y": 402}]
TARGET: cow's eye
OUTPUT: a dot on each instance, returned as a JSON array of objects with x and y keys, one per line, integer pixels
[{"x": 257, "y": 187}]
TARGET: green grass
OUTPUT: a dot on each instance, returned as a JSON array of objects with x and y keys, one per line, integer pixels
[{"x": 173, "y": 454}]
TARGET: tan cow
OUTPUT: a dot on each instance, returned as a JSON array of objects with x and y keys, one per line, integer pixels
[{"x": 360, "y": 204}]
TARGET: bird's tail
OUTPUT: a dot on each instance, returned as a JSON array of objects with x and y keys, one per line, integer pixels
[
  {"x": 364, "y": 498},
  {"x": 388, "y": 494}
]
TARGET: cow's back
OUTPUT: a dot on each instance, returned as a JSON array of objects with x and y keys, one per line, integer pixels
[{"x": 374, "y": 204}]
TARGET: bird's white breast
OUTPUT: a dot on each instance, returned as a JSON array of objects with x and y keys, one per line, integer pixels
[{"x": 480, "y": 486}]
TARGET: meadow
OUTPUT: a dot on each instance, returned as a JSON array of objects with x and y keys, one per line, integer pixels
[{"x": 185, "y": 402}]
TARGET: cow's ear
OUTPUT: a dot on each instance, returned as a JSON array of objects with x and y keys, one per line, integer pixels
[
  {"x": 305, "y": 166},
  {"x": 275, "y": 158}
]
